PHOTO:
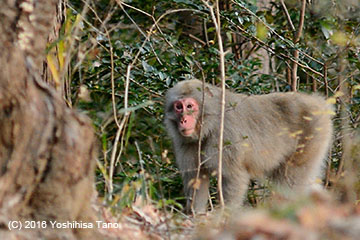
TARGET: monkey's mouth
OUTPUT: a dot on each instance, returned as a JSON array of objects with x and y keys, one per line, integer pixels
[{"x": 187, "y": 132}]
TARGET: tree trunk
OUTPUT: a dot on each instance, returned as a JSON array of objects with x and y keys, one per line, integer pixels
[{"x": 47, "y": 151}]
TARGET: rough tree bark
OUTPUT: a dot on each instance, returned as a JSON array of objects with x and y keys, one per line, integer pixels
[{"x": 47, "y": 151}]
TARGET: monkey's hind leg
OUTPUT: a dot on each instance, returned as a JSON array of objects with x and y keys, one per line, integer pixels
[{"x": 302, "y": 172}]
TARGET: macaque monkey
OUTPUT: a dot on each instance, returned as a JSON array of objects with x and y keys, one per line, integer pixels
[{"x": 282, "y": 136}]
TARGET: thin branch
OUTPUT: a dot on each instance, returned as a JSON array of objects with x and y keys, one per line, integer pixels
[
  {"x": 216, "y": 21},
  {"x": 206, "y": 33},
  {"x": 251, "y": 51},
  {"x": 142, "y": 173},
  {"x": 112, "y": 159},
  {"x": 197, "y": 39},
  {"x": 200, "y": 136},
  {"x": 73, "y": 39},
  {"x": 326, "y": 80},
  {"x": 120, "y": 128},
  {"x": 294, "y": 72},
  {"x": 287, "y": 15},
  {"x": 296, "y": 51},
  {"x": 113, "y": 100},
  {"x": 68, "y": 5},
  {"x": 288, "y": 70},
  {"x": 134, "y": 8},
  {"x": 301, "y": 23}
]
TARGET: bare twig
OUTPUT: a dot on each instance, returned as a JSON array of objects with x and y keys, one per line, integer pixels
[
  {"x": 134, "y": 8},
  {"x": 206, "y": 33},
  {"x": 296, "y": 51},
  {"x": 301, "y": 23},
  {"x": 251, "y": 51},
  {"x": 197, "y": 39},
  {"x": 75, "y": 33},
  {"x": 326, "y": 80},
  {"x": 288, "y": 70},
  {"x": 142, "y": 174},
  {"x": 113, "y": 100},
  {"x": 216, "y": 20},
  {"x": 113, "y": 156},
  {"x": 120, "y": 128},
  {"x": 84, "y": 19},
  {"x": 200, "y": 136},
  {"x": 287, "y": 15}
]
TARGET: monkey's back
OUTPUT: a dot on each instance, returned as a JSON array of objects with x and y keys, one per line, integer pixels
[{"x": 275, "y": 128}]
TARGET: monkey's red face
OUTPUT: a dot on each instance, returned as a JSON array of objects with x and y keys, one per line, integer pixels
[{"x": 187, "y": 111}]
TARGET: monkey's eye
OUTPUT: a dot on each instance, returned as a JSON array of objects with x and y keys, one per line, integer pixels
[
  {"x": 178, "y": 106},
  {"x": 189, "y": 106}
]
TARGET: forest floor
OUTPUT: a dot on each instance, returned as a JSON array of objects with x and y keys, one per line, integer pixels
[{"x": 317, "y": 217}]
